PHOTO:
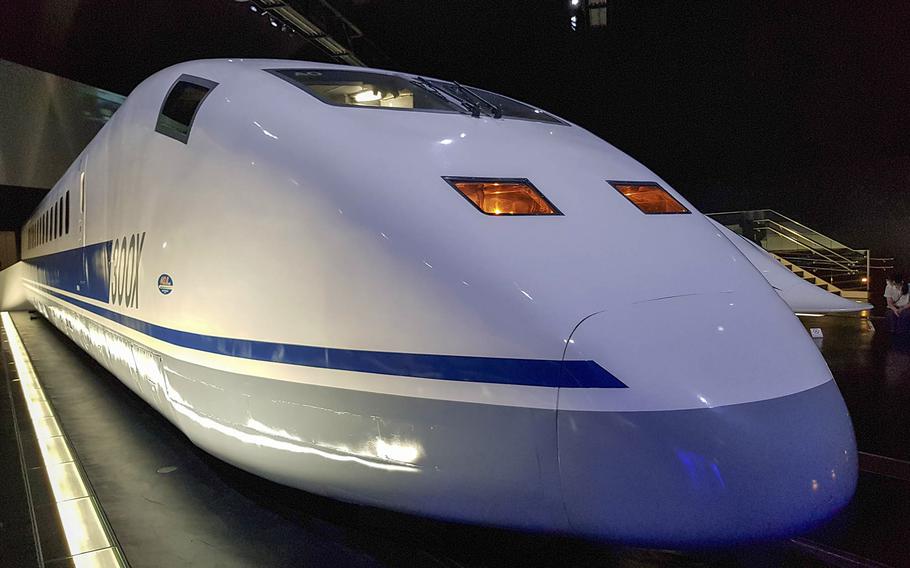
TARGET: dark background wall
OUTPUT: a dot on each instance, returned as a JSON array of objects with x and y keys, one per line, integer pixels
[
  {"x": 46, "y": 122},
  {"x": 799, "y": 105},
  {"x": 796, "y": 105}
]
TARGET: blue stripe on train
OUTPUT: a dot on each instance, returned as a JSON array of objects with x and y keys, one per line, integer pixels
[
  {"x": 86, "y": 272},
  {"x": 532, "y": 372}
]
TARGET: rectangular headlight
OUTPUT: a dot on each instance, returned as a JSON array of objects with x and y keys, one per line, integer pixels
[
  {"x": 649, "y": 197},
  {"x": 503, "y": 196}
]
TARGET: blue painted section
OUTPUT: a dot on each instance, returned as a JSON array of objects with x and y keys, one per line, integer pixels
[
  {"x": 587, "y": 374},
  {"x": 84, "y": 271},
  {"x": 531, "y": 372}
]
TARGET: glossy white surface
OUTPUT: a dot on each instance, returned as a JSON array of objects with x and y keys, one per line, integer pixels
[
  {"x": 371, "y": 240},
  {"x": 289, "y": 221},
  {"x": 695, "y": 351},
  {"x": 358, "y": 241}
]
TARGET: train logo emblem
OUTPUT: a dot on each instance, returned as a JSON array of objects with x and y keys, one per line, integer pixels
[
  {"x": 165, "y": 284},
  {"x": 125, "y": 263}
]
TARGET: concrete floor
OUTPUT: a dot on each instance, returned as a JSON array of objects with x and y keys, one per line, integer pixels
[
  {"x": 872, "y": 369},
  {"x": 170, "y": 504}
]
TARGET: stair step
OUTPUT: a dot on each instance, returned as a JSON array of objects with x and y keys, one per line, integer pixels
[{"x": 809, "y": 277}]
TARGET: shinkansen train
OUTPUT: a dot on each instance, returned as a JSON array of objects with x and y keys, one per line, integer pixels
[{"x": 404, "y": 292}]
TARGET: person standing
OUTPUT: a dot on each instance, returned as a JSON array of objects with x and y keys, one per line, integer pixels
[
  {"x": 899, "y": 309},
  {"x": 893, "y": 283}
]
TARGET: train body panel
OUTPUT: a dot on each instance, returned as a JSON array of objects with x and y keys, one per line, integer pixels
[
  {"x": 420, "y": 452},
  {"x": 768, "y": 484},
  {"x": 298, "y": 288}
]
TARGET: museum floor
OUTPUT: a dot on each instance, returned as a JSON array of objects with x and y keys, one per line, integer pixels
[{"x": 167, "y": 503}]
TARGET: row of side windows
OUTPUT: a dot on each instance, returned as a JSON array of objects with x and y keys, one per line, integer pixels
[{"x": 52, "y": 223}]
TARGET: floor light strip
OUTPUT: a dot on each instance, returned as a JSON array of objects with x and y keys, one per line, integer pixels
[{"x": 83, "y": 526}]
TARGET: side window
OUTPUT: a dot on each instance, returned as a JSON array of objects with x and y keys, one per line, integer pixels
[{"x": 180, "y": 106}]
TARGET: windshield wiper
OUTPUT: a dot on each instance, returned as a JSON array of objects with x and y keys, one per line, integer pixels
[
  {"x": 447, "y": 97},
  {"x": 495, "y": 109},
  {"x": 472, "y": 106}
]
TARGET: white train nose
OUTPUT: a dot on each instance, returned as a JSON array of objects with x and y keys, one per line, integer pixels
[{"x": 730, "y": 428}]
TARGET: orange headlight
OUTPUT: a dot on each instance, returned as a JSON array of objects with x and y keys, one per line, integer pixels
[
  {"x": 649, "y": 197},
  {"x": 503, "y": 196}
]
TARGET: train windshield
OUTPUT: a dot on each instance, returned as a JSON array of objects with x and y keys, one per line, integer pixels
[
  {"x": 364, "y": 89},
  {"x": 343, "y": 87},
  {"x": 491, "y": 103}
]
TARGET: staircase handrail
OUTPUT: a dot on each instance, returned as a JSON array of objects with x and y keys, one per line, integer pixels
[
  {"x": 811, "y": 240},
  {"x": 848, "y": 269},
  {"x": 810, "y": 230},
  {"x": 789, "y": 220}
]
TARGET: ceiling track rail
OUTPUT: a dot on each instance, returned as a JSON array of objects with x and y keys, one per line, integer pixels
[{"x": 320, "y": 24}]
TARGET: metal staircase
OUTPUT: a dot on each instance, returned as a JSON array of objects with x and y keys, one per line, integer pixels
[
  {"x": 817, "y": 258},
  {"x": 820, "y": 282}
]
